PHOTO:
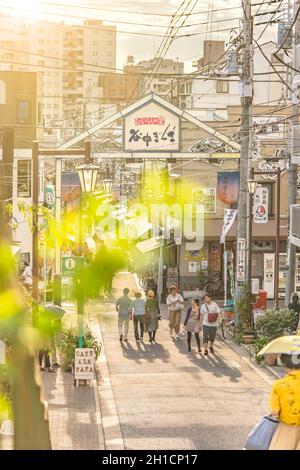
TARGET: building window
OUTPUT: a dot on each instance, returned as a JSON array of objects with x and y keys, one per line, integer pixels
[
  {"x": 24, "y": 178},
  {"x": 2, "y": 92},
  {"x": 24, "y": 112},
  {"x": 222, "y": 86}
]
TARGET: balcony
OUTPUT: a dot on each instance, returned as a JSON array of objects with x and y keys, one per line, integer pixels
[{"x": 295, "y": 225}]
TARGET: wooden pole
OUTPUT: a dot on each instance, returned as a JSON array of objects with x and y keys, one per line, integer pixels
[{"x": 35, "y": 220}]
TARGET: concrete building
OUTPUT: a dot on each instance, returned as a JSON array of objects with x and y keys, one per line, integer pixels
[
  {"x": 69, "y": 59},
  {"x": 160, "y": 76}
]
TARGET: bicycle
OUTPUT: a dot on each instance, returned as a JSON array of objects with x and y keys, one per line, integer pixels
[{"x": 214, "y": 285}]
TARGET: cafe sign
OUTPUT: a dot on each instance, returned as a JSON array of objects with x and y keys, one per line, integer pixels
[{"x": 151, "y": 128}]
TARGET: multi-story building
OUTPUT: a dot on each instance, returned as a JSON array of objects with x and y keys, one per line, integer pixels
[
  {"x": 158, "y": 75},
  {"x": 69, "y": 59}
]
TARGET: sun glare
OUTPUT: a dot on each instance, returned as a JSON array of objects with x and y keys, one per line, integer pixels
[{"x": 28, "y": 9}]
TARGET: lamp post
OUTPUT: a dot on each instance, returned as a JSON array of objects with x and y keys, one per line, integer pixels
[
  {"x": 107, "y": 186},
  {"x": 252, "y": 185},
  {"x": 87, "y": 175}
]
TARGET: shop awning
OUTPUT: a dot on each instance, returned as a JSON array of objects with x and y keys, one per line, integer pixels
[{"x": 150, "y": 244}]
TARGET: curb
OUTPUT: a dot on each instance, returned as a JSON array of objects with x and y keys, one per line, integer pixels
[{"x": 105, "y": 400}]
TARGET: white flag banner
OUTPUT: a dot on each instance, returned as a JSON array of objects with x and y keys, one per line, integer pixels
[
  {"x": 260, "y": 207},
  {"x": 229, "y": 218}
]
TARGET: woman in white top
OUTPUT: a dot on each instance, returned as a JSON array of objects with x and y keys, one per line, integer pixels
[{"x": 209, "y": 319}]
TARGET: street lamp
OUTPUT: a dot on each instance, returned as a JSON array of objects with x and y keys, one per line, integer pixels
[
  {"x": 252, "y": 185},
  {"x": 87, "y": 175},
  {"x": 107, "y": 186}
]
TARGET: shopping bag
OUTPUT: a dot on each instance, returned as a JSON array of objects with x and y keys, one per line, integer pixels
[{"x": 261, "y": 435}]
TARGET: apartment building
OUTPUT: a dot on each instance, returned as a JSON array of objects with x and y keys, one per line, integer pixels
[{"x": 69, "y": 60}]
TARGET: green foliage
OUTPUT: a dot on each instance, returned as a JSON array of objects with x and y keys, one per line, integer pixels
[
  {"x": 274, "y": 323},
  {"x": 6, "y": 390},
  {"x": 242, "y": 306},
  {"x": 67, "y": 344}
]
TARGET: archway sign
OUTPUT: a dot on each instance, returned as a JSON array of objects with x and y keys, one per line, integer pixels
[{"x": 152, "y": 129}]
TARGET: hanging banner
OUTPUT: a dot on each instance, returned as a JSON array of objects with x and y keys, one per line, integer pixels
[
  {"x": 50, "y": 197},
  {"x": 229, "y": 218},
  {"x": 228, "y": 187},
  {"x": 269, "y": 268},
  {"x": 260, "y": 205},
  {"x": 241, "y": 260}
]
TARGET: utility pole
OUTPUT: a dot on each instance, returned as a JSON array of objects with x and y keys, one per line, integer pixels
[
  {"x": 292, "y": 174},
  {"x": 6, "y": 168},
  {"x": 245, "y": 157}
]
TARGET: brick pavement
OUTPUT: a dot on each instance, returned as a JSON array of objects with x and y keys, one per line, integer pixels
[{"x": 73, "y": 418}]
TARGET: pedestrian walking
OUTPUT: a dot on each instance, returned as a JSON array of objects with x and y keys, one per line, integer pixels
[
  {"x": 152, "y": 313},
  {"x": 192, "y": 323},
  {"x": 285, "y": 405},
  {"x": 294, "y": 305},
  {"x": 209, "y": 319},
  {"x": 123, "y": 308},
  {"x": 26, "y": 276},
  {"x": 138, "y": 311},
  {"x": 175, "y": 305}
]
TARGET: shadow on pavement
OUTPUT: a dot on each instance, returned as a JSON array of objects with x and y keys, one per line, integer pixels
[{"x": 145, "y": 351}]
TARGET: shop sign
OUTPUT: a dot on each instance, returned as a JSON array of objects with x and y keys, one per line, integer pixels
[
  {"x": 195, "y": 255},
  {"x": 151, "y": 128},
  {"x": 194, "y": 267},
  {"x": 70, "y": 264},
  {"x": 269, "y": 268},
  {"x": 50, "y": 198},
  {"x": 84, "y": 364},
  {"x": 260, "y": 207},
  {"x": 241, "y": 260}
]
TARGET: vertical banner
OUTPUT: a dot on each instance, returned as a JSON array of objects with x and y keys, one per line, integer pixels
[
  {"x": 260, "y": 206},
  {"x": 241, "y": 260},
  {"x": 228, "y": 187},
  {"x": 269, "y": 268},
  {"x": 229, "y": 218}
]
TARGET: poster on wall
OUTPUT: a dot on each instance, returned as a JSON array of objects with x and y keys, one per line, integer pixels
[
  {"x": 269, "y": 267},
  {"x": 151, "y": 128},
  {"x": 205, "y": 197},
  {"x": 228, "y": 187},
  {"x": 194, "y": 267}
]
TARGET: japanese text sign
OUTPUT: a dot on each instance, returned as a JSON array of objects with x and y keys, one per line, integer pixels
[
  {"x": 241, "y": 260},
  {"x": 152, "y": 128},
  {"x": 260, "y": 208}
]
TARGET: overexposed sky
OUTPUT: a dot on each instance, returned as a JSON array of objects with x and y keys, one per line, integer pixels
[{"x": 211, "y": 18}]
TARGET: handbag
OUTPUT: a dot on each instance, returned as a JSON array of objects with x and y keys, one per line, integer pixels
[
  {"x": 261, "y": 435},
  {"x": 211, "y": 317}
]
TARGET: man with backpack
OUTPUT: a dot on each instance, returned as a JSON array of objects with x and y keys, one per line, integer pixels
[{"x": 209, "y": 319}]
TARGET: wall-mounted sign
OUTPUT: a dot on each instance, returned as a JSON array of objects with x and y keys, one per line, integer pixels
[
  {"x": 260, "y": 205},
  {"x": 269, "y": 268},
  {"x": 241, "y": 260},
  {"x": 205, "y": 197},
  {"x": 151, "y": 128},
  {"x": 194, "y": 267},
  {"x": 269, "y": 127},
  {"x": 69, "y": 264},
  {"x": 196, "y": 255},
  {"x": 84, "y": 364}
]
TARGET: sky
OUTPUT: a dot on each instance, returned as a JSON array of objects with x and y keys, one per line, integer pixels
[{"x": 209, "y": 18}]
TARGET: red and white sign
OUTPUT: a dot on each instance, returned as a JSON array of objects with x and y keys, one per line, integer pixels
[
  {"x": 151, "y": 128},
  {"x": 260, "y": 206}
]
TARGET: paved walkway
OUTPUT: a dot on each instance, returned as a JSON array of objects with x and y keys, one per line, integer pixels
[{"x": 167, "y": 398}]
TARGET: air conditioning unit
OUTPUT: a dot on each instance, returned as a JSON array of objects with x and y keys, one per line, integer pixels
[{"x": 260, "y": 245}]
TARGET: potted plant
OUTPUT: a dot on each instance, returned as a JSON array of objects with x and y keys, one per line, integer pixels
[{"x": 67, "y": 344}]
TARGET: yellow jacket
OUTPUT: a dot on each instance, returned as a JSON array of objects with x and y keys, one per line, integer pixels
[{"x": 285, "y": 398}]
